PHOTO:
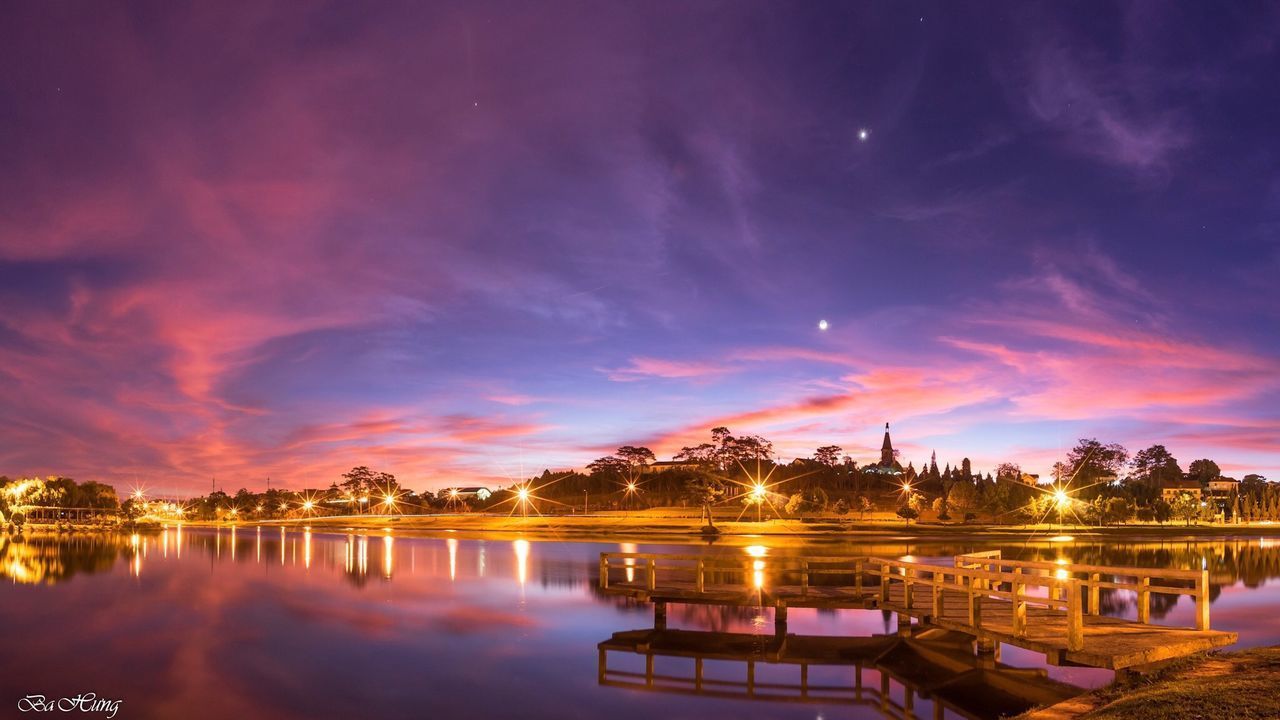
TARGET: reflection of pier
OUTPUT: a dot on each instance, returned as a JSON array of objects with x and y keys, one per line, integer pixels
[
  {"x": 934, "y": 664},
  {"x": 1047, "y": 607}
]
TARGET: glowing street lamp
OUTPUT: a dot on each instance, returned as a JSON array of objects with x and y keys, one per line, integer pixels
[
  {"x": 1061, "y": 501},
  {"x": 522, "y": 495},
  {"x": 757, "y": 493}
]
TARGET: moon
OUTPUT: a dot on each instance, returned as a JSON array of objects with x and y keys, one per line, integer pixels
[
  {"x": 863, "y": 134},
  {"x": 822, "y": 325}
]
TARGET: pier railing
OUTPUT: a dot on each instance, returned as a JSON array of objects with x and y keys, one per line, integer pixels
[
  {"x": 982, "y": 582},
  {"x": 1094, "y": 578}
]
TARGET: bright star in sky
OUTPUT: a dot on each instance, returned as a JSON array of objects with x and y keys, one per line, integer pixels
[
  {"x": 822, "y": 325},
  {"x": 863, "y": 134}
]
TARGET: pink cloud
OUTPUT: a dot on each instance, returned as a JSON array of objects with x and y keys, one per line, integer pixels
[{"x": 640, "y": 368}]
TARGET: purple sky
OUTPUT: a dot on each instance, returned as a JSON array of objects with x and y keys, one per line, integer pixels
[{"x": 466, "y": 241}]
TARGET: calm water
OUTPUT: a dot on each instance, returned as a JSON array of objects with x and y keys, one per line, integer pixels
[{"x": 205, "y": 624}]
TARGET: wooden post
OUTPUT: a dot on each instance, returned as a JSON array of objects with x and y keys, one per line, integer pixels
[
  {"x": 659, "y": 616},
  {"x": 804, "y": 577},
  {"x": 780, "y": 618},
  {"x": 884, "y": 584},
  {"x": 653, "y": 572},
  {"x": 1094, "y": 594},
  {"x": 937, "y": 592},
  {"x": 1075, "y": 617},
  {"x": 702, "y": 565},
  {"x": 1144, "y": 600},
  {"x": 906, "y": 586},
  {"x": 1202, "y": 601},
  {"x": 603, "y": 666},
  {"x": 1019, "y": 605},
  {"x": 751, "y": 677},
  {"x": 975, "y": 602},
  {"x": 697, "y": 673},
  {"x": 604, "y": 571},
  {"x": 857, "y": 578},
  {"x": 804, "y": 680}
]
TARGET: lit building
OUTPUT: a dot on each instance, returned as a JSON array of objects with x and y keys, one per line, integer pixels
[
  {"x": 1174, "y": 489},
  {"x": 467, "y": 493},
  {"x": 1223, "y": 487},
  {"x": 888, "y": 465},
  {"x": 670, "y": 465}
]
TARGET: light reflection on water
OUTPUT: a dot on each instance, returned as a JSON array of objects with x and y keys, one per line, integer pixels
[{"x": 291, "y": 623}]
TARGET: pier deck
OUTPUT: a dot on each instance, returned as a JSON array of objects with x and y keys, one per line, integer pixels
[{"x": 1051, "y": 608}]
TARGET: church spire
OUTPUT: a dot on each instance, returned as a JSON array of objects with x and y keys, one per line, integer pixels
[{"x": 886, "y": 450}]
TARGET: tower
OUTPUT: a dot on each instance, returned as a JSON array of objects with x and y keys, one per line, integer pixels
[{"x": 886, "y": 450}]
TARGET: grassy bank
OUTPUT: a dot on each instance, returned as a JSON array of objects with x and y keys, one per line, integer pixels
[{"x": 1239, "y": 685}]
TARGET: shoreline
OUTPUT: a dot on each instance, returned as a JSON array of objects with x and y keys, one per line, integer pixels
[
  {"x": 686, "y": 529},
  {"x": 1218, "y": 684}
]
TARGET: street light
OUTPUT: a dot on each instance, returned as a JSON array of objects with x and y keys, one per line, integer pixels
[
  {"x": 757, "y": 492},
  {"x": 522, "y": 495},
  {"x": 1062, "y": 501}
]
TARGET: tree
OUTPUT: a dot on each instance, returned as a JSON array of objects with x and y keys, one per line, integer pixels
[
  {"x": 704, "y": 454},
  {"x": 908, "y": 513},
  {"x": 1186, "y": 508},
  {"x": 842, "y": 507},
  {"x": 963, "y": 497},
  {"x": 705, "y": 490},
  {"x": 98, "y": 495},
  {"x": 1154, "y": 466},
  {"x": 608, "y": 466},
  {"x": 864, "y": 506},
  {"x": 635, "y": 457},
  {"x": 828, "y": 455},
  {"x": 1092, "y": 464},
  {"x": 795, "y": 504},
  {"x": 1116, "y": 510},
  {"x": 1204, "y": 470},
  {"x": 1009, "y": 472}
]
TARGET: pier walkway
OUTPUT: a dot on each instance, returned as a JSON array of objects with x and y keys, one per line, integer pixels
[{"x": 1048, "y": 607}]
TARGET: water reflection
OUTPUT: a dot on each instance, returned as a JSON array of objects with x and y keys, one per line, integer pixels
[
  {"x": 933, "y": 673},
  {"x": 530, "y": 612}
]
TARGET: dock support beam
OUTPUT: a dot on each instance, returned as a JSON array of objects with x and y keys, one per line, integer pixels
[
  {"x": 659, "y": 615},
  {"x": 1202, "y": 601}
]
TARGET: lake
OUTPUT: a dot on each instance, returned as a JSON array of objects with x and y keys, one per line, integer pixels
[{"x": 204, "y": 623}]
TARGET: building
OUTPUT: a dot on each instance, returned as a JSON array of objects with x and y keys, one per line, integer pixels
[
  {"x": 888, "y": 465},
  {"x": 468, "y": 493},
  {"x": 1174, "y": 489},
  {"x": 670, "y": 465},
  {"x": 1222, "y": 487}
]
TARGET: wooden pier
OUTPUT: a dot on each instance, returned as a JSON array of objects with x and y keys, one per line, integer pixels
[{"x": 1048, "y": 607}]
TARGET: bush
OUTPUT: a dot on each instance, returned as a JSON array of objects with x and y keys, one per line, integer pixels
[
  {"x": 908, "y": 513},
  {"x": 970, "y": 517}
]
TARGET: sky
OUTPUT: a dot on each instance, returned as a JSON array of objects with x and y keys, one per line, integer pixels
[{"x": 463, "y": 242}]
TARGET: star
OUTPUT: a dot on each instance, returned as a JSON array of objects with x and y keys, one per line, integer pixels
[
  {"x": 823, "y": 325},
  {"x": 863, "y": 134}
]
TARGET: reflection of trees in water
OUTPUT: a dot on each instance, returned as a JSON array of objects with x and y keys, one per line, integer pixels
[{"x": 33, "y": 559}]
